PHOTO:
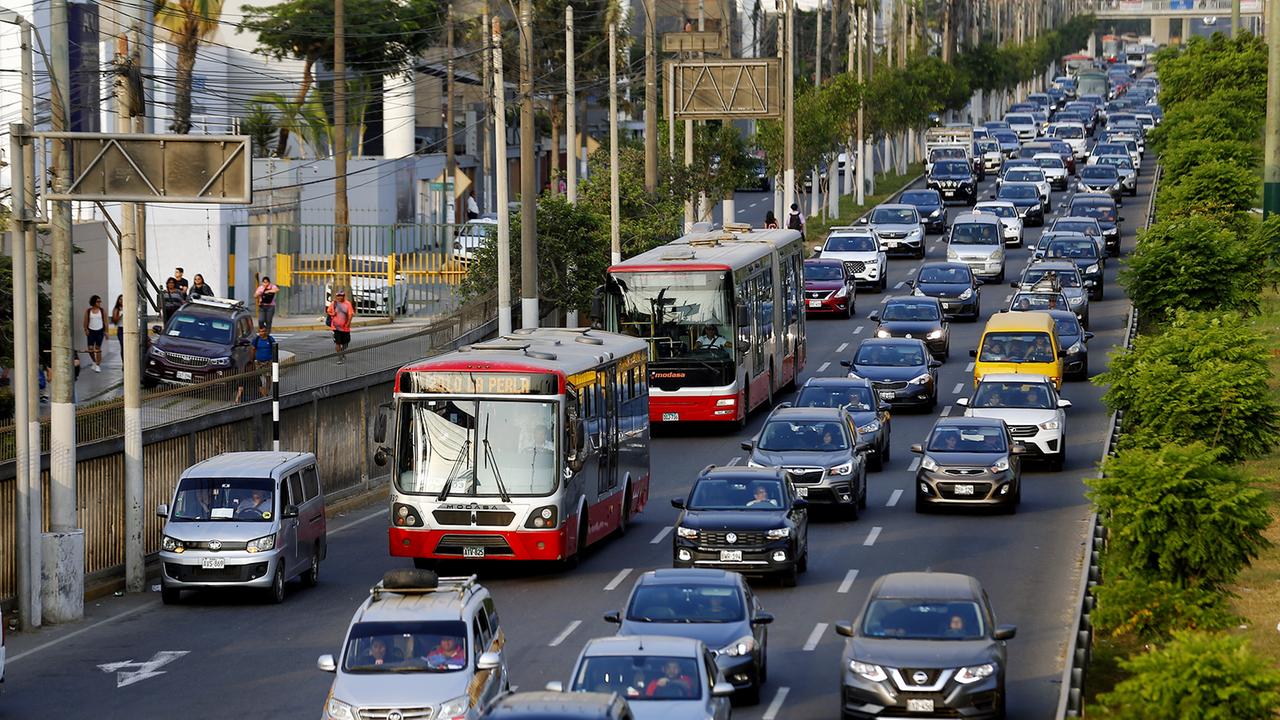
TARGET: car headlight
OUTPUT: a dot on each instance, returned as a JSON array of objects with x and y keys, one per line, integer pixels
[
  {"x": 883, "y": 333},
  {"x": 220, "y": 361},
  {"x": 1092, "y": 269},
  {"x": 916, "y": 233},
  {"x": 779, "y": 533},
  {"x": 171, "y": 544},
  {"x": 1050, "y": 425},
  {"x": 918, "y": 292},
  {"x": 741, "y": 646},
  {"x": 455, "y": 709},
  {"x": 1000, "y": 465},
  {"x": 335, "y": 709},
  {"x": 843, "y": 292},
  {"x": 934, "y": 335},
  {"x": 1079, "y": 347},
  {"x": 974, "y": 673},
  {"x": 686, "y": 533},
  {"x": 1075, "y": 300},
  {"x": 158, "y": 354},
  {"x": 920, "y": 379},
  {"x": 936, "y": 213},
  {"x": 874, "y": 673},
  {"x": 842, "y": 469},
  {"x": 952, "y": 255},
  {"x": 870, "y": 427},
  {"x": 928, "y": 463},
  {"x": 262, "y": 544},
  {"x": 968, "y": 293}
]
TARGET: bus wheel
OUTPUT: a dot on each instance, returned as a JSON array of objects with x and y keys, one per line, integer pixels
[
  {"x": 626, "y": 510},
  {"x": 746, "y": 405},
  {"x": 769, "y": 397}
]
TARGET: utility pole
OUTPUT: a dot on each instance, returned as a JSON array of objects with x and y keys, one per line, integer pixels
[
  {"x": 789, "y": 119},
  {"x": 487, "y": 133},
  {"x": 341, "y": 215},
  {"x": 650, "y": 97},
  {"x": 500, "y": 167},
  {"x": 615, "y": 218},
  {"x": 1271, "y": 155},
  {"x": 867, "y": 155},
  {"x": 528, "y": 176},
  {"x": 1235, "y": 18},
  {"x": 859, "y": 164},
  {"x": 571, "y": 108},
  {"x": 450, "y": 162},
  {"x": 62, "y": 413},
  {"x": 817, "y": 82},
  {"x": 850, "y": 64}
]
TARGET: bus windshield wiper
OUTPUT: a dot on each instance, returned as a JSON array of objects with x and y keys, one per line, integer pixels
[
  {"x": 489, "y": 456},
  {"x": 453, "y": 471}
]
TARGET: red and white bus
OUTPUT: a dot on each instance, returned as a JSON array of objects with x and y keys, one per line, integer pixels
[
  {"x": 530, "y": 446},
  {"x": 722, "y": 313}
]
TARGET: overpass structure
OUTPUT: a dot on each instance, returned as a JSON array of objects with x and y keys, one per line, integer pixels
[{"x": 1163, "y": 13}]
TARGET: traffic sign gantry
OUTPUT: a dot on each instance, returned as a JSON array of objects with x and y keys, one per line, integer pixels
[{"x": 728, "y": 89}]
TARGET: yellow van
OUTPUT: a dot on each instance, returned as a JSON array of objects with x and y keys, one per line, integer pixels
[{"x": 1018, "y": 342}]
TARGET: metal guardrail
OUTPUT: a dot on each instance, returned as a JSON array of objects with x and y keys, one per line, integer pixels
[
  {"x": 1111, "y": 8},
  {"x": 1080, "y": 644}
]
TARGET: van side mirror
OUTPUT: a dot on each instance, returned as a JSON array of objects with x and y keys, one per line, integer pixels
[
  {"x": 380, "y": 423},
  {"x": 1006, "y": 632},
  {"x": 1064, "y": 403},
  {"x": 917, "y": 448},
  {"x": 762, "y": 618},
  {"x": 554, "y": 686},
  {"x": 289, "y": 511},
  {"x": 846, "y": 363},
  {"x": 962, "y": 402},
  {"x": 722, "y": 688},
  {"x": 162, "y": 510},
  {"x": 973, "y": 353},
  {"x": 613, "y": 616},
  {"x": 489, "y": 661},
  {"x": 326, "y": 663},
  {"x": 380, "y": 457}
]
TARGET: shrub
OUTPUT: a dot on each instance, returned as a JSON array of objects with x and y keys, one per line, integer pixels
[
  {"x": 1151, "y": 610},
  {"x": 1182, "y": 159},
  {"x": 1222, "y": 115},
  {"x": 1192, "y": 263},
  {"x": 1218, "y": 187}
]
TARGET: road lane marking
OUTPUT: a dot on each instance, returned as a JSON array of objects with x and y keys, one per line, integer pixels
[
  {"x": 893, "y": 499},
  {"x": 957, "y": 389},
  {"x": 823, "y": 367},
  {"x": 129, "y": 672},
  {"x": 858, "y": 330},
  {"x": 899, "y": 285},
  {"x": 564, "y": 634},
  {"x": 847, "y": 583},
  {"x": 776, "y": 706},
  {"x": 843, "y": 347},
  {"x": 734, "y": 461},
  {"x": 380, "y": 512},
  {"x": 118, "y": 616},
  {"x": 914, "y": 465},
  {"x": 617, "y": 579},
  {"x": 911, "y": 271},
  {"x": 871, "y": 536},
  {"x": 946, "y": 411},
  {"x": 661, "y": 534},
  {"x": 815, "y": 637},
  {"x": 1008, "y": 297},
  {"x": 969, "y": 368}
]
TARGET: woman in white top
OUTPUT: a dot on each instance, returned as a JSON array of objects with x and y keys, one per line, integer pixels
[{"x": 95, "y": 329}]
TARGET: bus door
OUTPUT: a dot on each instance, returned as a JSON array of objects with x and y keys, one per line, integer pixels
[{"x": 609, "y": 435}]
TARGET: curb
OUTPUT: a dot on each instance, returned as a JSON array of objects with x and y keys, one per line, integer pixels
[{"x": 320, "y": 327}]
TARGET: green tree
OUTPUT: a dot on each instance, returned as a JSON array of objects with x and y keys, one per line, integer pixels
[
  {"x": 645, "y": 220},
  {"x": 184, "y": 23},
  {"x": 1217, "y": 187},
  {"x": 1184, "y": 157},
  {"x": 1202, "y": 378},
  {"x": 261, "y": 125},
  {"x": 1151, "y": 609},
  {"x": 1222, "y": 115},
  {"x": 1220, "y": 63},
  {"x": 1198, "y": 675},
  {"x": 1192, "y": 263}
]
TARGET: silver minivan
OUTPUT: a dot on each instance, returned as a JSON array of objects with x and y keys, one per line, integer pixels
[
  {"x": 977, "y": 240},
  {"x": 244, "y": 519}
]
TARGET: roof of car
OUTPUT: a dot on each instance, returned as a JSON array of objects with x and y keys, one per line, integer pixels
[
  {"x": 895, "y": 206},
  {"x": 806, "y": 413},
  {"x": 972, "y": 217},
  {"x": 680, "y": 576},
  {"x": 844, "y": 381},
  {"x": 644, "y": 645},
  {"x": 927, "y": 585},
  {"x": 745, "y": 473},
  {"x": 915, "y": 342},
  {"x": 243, "y": 464},
  {"x": 555, "y": 704},
  {"x": 1093, "y": 198},
  {"x": 447, "y": 601},
  {"x": 911, "y": 300},
  {"x": 1019, "y": 320},
  {"x": 1075, "y": 218},
  {"x": 826, "y": 262},
  {"x": 1053, "y": 264},
  {"x": 1016, "y": 377}
]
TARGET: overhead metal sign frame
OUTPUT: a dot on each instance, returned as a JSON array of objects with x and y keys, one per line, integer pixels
[
  {"x": 727, "y": 89},
  {"x": 707, "y": 41},
  {"x": 123, "y": 167}
]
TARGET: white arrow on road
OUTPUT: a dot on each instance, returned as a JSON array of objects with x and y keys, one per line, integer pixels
[{"x": 130, "y": 672}]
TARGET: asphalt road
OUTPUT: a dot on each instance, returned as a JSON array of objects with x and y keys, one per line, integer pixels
[{"x": 244, "y": 659}]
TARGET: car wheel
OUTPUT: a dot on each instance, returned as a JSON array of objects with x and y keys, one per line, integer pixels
[
  {"x": 170, "y": 595},
  {"x": 751, "y": 695},
  {"x": 862, "y": 498},
  {"x": 851, "y": 510},
  {"x": 922, "y": 507},
  {"x": 789, "y": 577},
  {"x": 877, "y": 463},
  {"x": 1060, "y": 460},
  {"x": 626, "y": 511},
  {"x": 1017, "y": 494},
  {"x": 849, "y": 310},
  {"x": 149, "y": 382},
  {"x": 920, "y": 254},
  {"x": 275, "y": 593},
  {"x": 746, "y": 405},
  {"x": 884, "y": 452},
  {"x": 884, "y": 281},
  {"x": 803, "y": 563},
  {"x": 311, "y": 577},
  {"x": 933, "y": 401}
]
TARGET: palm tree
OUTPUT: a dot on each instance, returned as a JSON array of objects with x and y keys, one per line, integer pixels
[{"x": 186, "y": 23}]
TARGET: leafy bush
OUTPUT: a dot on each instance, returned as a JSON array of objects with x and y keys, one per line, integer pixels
[
  {"x": 1217, "y": 187},
  {"x": 1198, "y": 676},
  {"x": 1202, "y": 378},
  {"x": 1152, "y": 609},
  {"x": 1219, "y": 62},
  {"x": 1222, "y": 115},
  {"x": 1186, "y": 156},
  {"x": 1192, "y": 263}
]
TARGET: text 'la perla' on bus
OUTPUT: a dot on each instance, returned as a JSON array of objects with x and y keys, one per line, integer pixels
[
  {"x": 530, "y": 446},
  {"x": 722, "y": 313}
]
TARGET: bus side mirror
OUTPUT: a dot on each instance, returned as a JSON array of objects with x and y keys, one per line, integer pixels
[
  {"x": 380, "y": 423},
  {"x": 597, "y": 305},
  {"x": 744, "y": 316}
]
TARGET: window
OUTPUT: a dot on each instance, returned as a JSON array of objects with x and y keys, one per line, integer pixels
[
  {"x": 491, "y": 611},
  {"x": 295, "y": 489},
  {"x": 310, "y": 483}
]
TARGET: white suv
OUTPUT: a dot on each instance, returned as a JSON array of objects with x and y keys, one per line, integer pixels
[
  {"x": 862, "y": 253},
  {"x": 1030, "y": 406}
]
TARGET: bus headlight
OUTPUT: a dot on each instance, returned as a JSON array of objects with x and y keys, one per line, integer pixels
[{"x": 543, "y": 518}]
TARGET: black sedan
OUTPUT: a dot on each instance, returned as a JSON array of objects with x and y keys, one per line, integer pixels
[
  {"x": 954, "y": 180},
  {"x": 714, "y": 606},
  {"x": 748, "y": 520},
  {"x": 1025, "y": 197},
  {"x": 929, "y": 204},
  {"x": 911, "y": 316},
  {"x": 925, "y": 645},
  {"x": 901, "y": 370},
  {"x": 954, "y": 285},
  {"x": 1074, "y": 341},
  {"x": 969, "y": 462},
  {"x": 1080, "y": 249},
  {"x": 1100, "y": 207},
  {"x": 858, "y": 398}
]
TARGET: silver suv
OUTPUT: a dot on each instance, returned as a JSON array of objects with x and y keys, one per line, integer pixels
[
  {"x": 821, "y": 450},
  {"x": 420, "y": 646}
]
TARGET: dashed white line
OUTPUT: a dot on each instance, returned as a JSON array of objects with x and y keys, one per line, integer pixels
[
  {"x": 946, "y": 411},
  {"x": 1008, "y": 297},
  {"x": 871, "y": 536},
  {"x": 815, "y": 637},
  {"x": 894, "y": 498},
  {"x": 899, "y": 284},
  {"x": 843, "y": 347},
  {"x": 776, "y": 706},
  {"x": 910, "y": 468},
  {"x": 734, "y": 461},
  {"x": 661, "y": 534},
  {"x": 617, "y": 579},
  {"x": 564, "y": 634},
  {"x": 957, "y": 389},
  {"x": 823, "y": 367},
  {"x": 969, "y": 368},
  {"x": 847, "y": 583},
  {"x": 858, "y": 330},
  {"x": 911, "y": 271}
]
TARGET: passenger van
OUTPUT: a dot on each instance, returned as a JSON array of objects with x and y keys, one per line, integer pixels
[
  {"x": 977, "y": 240},
  {"x": 244, "y": 519},
  {"x": 1019, "y": 342}
]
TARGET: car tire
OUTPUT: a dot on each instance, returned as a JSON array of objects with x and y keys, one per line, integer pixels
[
  {"x": 921, "y": 254},
  {"x": 276, "y": 593},
  {"x": 851, "y": 510},
  {"x": 624, "y": 519},
  {"x": 149, "y": 382},
  {"x": 789, "y": 577},
  {"x": 888, "y": 443},
  {"x": 170, "y": 595},
  {"x": 1017, "y": 494},
  {"x": 751, "y": 695},
  {"x": 877, "y": 463},
  {"x": 862, "y": 497},
  {"x": 803, "y": 563},
  {"x": 922, "y": 507},
  {"x": 1060, "y": 460},
  {"x": 311, "y": 577},
  {"x": 746, "y": 405},
  {"x": 884, "y": 281}
]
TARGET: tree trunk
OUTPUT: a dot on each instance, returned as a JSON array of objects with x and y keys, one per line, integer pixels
[
  {"x": 554, "y": 180},
  {"x": 187, "y": 45},
  {"x": 282, "y": 145}
]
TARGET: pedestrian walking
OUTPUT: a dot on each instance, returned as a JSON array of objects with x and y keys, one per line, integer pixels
[
  {"x": 117, "y": 319},
  {"x": 265, "y": 295},
  {"x": 199, "y": 288},
  {"x": 340, "y": 314},
  {"x": 473, "y": 207},
  {"x": 770, "y": 220},
  {"x": 183, "y": 284},
  {"x": 95, "y": 330},
  {"x": 172, "y": 298},
  {"x": 263, "y": 355},
  {"x": 795, "y": 220}
]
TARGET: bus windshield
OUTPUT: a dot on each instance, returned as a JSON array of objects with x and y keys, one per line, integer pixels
[
  {"x": 681, "y": 314},
  {"x": 471, "y": 448}
]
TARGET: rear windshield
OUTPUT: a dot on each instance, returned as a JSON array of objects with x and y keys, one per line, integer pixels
[{"x": 1016, "y": 347}]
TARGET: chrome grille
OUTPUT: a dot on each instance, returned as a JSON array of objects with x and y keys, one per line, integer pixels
[
  {"x": 816, "y": 294},
  {"x": 190, "y": 361},
  {"x": 1022, "y": 430},
  {"x": 423, "y": 713},
  {"x": 223, "y": 545},
  {"x": 719, "y": 538},
  {"x": 964, "y": 471},
  {"x": 896, "y": 385},
  {"x": 854, "y": 266},
  {"x": 892, "y": 235}
]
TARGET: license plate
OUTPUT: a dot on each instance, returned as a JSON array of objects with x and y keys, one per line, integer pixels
[
  {"x": 886, "y": 394},
  {"x": 730, "y": 556},
  {"x": 670, "y": 417},
  {"x": 472, "y": 552},
  {"x": 963, "y": 489},
  {"x": 213, "y": 563},
  {"x": 182, "y": 375},
  {"x": 948, "y": 193},
  {"x": 815, "y": 303},
  {"x": 919, "y": 705},
  {"x": 802, "y": 492}
]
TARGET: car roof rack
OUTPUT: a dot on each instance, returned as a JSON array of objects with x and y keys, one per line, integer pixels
[
  {"x": 224, "y": 303},
  {"x": 421, "y": 582}
]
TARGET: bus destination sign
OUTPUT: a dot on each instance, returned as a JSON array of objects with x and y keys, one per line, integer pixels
[{"x": 480, "y": 383}]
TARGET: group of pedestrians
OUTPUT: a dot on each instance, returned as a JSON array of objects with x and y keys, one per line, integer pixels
[
  {"x": 795, "y": 220},
  {"x": 178, "y": 291}
]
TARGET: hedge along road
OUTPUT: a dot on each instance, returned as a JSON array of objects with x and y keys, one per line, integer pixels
[{"x": 253, "y": 660}]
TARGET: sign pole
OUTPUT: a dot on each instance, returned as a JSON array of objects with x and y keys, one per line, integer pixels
[
  {"x": 27, "y": 535},
  {"x": 615, "y": 220},
  {"x": 500, "y": 178}
]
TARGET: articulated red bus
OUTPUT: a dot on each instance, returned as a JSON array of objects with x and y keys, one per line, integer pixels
[
  {"x": 722, "y": 313},
  {"x": 530, "y": 446}
]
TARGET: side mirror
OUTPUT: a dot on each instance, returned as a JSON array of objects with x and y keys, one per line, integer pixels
[
  {"x": 162, "y": 510},
  {"x": 380, "y": 457},
  {"x": 489, "y": 661},
  {"x": 1062, "y": 352},
  {"x": 614, "y": 617},
  {"x": 156, "y": 329},
  {"x": 874, "y": 316},
  {"x": 799, "y": 503},
  {"x": 935, "y": 363},
  {"x": 917, "y": 448},
  {"x": 1018, "y": 449},
  {"x": 844, "y": 629},
  {"x": 862, "y": 220},
  {"x": 325, "y": 663},
  {"x": 1120, "y": 219},
  {"x": 962, "y": 402},
  {"x": 1088, "y": 336},
  {"x": 862, "y": 447},
  {"x": 677, "y": 503},
  {"x": 979, "y": 282},
  {"x": 597, "y": 305},
  {"x": 290, "y": 511},
  {"x": 786, "y": 404},
  {"x": 817, "y": 250},
  {"x": 745, "y": 445},
  {"x": 1013, "y": 284},
  {"x": 762, "y": 618},
  {"x": 846, "y": 363},
  {"x": 911, "y": 283},
  {"x": 380, "y": 423},
  {"x": 1064, "y": 403},
  {"x": 554, "y": 686},
  {"x": 973, "y": 353},
  {"x": 722, "y": 689},
  {"x": 1006, "y": 632},
  {"x": 993, "y": 196}
]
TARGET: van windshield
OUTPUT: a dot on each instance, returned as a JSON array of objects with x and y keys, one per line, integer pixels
[
  {"x": 400, "y": 647},
  {"x": 217, "y": 499},
  {"x": 975, "y": 234},
  {"x": 1016, "y": 347}
]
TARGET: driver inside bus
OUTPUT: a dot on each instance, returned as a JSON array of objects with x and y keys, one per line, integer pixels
[{"x": 711, "y": 339}]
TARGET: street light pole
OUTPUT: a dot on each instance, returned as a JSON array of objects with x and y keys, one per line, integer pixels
[
  {"x": 615, "y": 218},
  {"x": 500, "y": 179},
  {"x": 1271, "y": 168},
  {"x": 528, "y": 177},
  {"x": 789, "y": 119},
  {"x": 650, "y": 97}
]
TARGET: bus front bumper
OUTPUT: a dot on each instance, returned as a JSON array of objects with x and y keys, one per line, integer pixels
[
  {"x": 694, "y": 408},
  {"x": 495, "y": 544}
]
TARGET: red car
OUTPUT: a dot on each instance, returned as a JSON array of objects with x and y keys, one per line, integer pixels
[{"x": 828, "y": 287}]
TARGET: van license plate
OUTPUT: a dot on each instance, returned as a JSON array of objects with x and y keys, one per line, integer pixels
[
  {"x": 730, "y": 556},
  {"x": 472, "y": 552},
  {"x": 964, "y": 489},
  {"x": 919, "y": 705},
  {"x": 182, "y": 375},
  {"x": 670, "y": 417},
  {"x": 213, "y": 563}
]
